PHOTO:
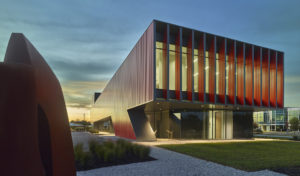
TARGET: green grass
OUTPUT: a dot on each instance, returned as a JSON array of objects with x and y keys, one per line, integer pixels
[{"x": 249, "y": 156}]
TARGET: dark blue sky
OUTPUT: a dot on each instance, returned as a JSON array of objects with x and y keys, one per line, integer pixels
[{"x": 85, "y": 41}]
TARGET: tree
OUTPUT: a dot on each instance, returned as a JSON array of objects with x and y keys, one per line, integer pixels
[{"x": 294, "y": 122}]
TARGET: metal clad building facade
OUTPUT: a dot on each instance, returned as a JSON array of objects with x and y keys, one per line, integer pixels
[
  {"x": 182, "y": 83},
  {"x": 131, "y": 85}
]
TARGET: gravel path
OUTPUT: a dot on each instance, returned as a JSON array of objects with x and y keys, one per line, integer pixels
[{"x": 171, "y": 163}]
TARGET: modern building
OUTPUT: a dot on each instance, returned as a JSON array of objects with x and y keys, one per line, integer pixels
[
  {"x": 272, "y": 120},
  {"x": 276, "y": 120},
  {"x": 183, "y": 83}
]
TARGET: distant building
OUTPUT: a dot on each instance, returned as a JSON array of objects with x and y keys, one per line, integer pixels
[{"x": 275, "y": 120}]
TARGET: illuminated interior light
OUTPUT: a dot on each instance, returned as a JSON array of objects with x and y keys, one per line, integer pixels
[{"x": 195, "y": 74}]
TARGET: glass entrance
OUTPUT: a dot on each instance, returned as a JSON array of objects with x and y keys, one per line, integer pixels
[
  {"x": 192, "y": 125},
  {"x": 222, "y": 125}
]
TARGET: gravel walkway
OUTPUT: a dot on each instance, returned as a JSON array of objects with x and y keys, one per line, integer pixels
[{"x": 171, "y": 163}]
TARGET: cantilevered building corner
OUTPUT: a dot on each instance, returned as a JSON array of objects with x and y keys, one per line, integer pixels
[
  {"x": 131, "y": 86},
  {"x": 183, "y": 83}
]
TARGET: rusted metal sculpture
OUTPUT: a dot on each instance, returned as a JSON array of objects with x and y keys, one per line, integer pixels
[{"x": 34, "y": 130}]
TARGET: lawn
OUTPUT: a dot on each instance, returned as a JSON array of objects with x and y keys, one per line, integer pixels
[{"x": 249, "y": 156}]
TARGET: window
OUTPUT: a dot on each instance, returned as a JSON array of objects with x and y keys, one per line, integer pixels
[
  {"x": 172, "y": 67},
  {"x": 160, "y": 65},
  {"x": 206, "y": 72},
  {"x": 184, "y": 68},
  {"x": 217, "y": 73},
  {"x": 196, "y": 70},
  {"x": 227, "y": 73}
]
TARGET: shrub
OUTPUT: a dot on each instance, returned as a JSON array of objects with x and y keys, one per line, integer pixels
[
  {"x": 109, "y": 153},
  {"x": 120, "y": 152},
  {"x": 82, "y": 158},
  {"x": 144, "y": 152},
  {"x": 93, "y": 146},
  {"x": 296, "y": 138},
  {"x": 108, "y": 144}
]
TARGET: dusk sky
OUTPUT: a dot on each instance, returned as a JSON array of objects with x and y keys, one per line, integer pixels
[{"x": 85, "y": 41}]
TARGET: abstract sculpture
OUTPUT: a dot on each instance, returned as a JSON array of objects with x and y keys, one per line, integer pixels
[{"x": 34, "y": 130}]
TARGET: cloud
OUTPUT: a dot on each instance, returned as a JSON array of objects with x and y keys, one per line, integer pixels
[
  {"x": 79, "y": 94},
  {"x": 69, "y": 70}
]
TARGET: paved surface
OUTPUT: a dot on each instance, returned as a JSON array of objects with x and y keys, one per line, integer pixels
[
  {"x": 273, "y": 135},
  {"x": 185, "y": 141},
  {"x": 84, "y": 138},
  {"x": 171, "y": 163}
]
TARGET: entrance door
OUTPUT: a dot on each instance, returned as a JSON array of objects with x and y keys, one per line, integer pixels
[{"x": 218, "y": 125}]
